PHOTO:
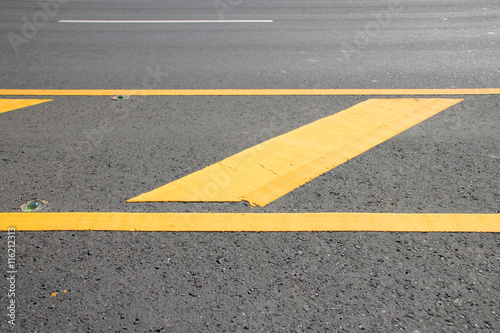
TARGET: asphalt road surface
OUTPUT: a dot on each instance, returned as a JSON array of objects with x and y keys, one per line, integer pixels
[{"x": 91, "y": 154}]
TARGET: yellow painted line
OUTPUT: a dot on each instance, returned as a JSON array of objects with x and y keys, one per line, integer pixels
[
  {"x": 283, "y": 222},
  {"x": 269, "y": 170},
  {"x": 14, "y": 104},
  {"x": 245, "y": 92}
]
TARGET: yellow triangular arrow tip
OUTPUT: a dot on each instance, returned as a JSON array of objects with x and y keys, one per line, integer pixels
[
  {"x": 271, "y": 169},
  {"x": 14, "y": 104}
]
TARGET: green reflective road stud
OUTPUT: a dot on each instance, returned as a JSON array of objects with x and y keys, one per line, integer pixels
[
  {"x": 119, "y": 97},
  {"x": 33, "y": 205}
]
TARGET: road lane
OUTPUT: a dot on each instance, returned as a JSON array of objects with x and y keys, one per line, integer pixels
[
  {"x": 314, "y": 44},
  {"x": 95, "y": 153}
]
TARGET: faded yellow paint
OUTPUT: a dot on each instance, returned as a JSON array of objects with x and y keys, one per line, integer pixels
[
  {"x": 245, "y": 92},
  {"x": 283, "y": 222},
  {"x": 269, "y": 170}
]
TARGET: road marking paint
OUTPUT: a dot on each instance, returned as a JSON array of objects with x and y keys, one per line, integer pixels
[
  {"x": 14, "y": 104},
  {"x": 165, "y": 21},
  {"x": 271, "y": 169},
  {"x": 246, "y": 92},
  {"x": 252, "y": 222}
]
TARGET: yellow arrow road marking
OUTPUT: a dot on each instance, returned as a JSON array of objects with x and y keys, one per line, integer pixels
[
  {"x": 284, "y": 222},
  {"x": 244, "y": 92},
  {"x": 269, "y": 170},
  {"x": 14, "y": 104}
]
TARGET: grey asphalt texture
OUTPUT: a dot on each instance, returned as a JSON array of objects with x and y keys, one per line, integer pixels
[{"x": 90, "y": 154}]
